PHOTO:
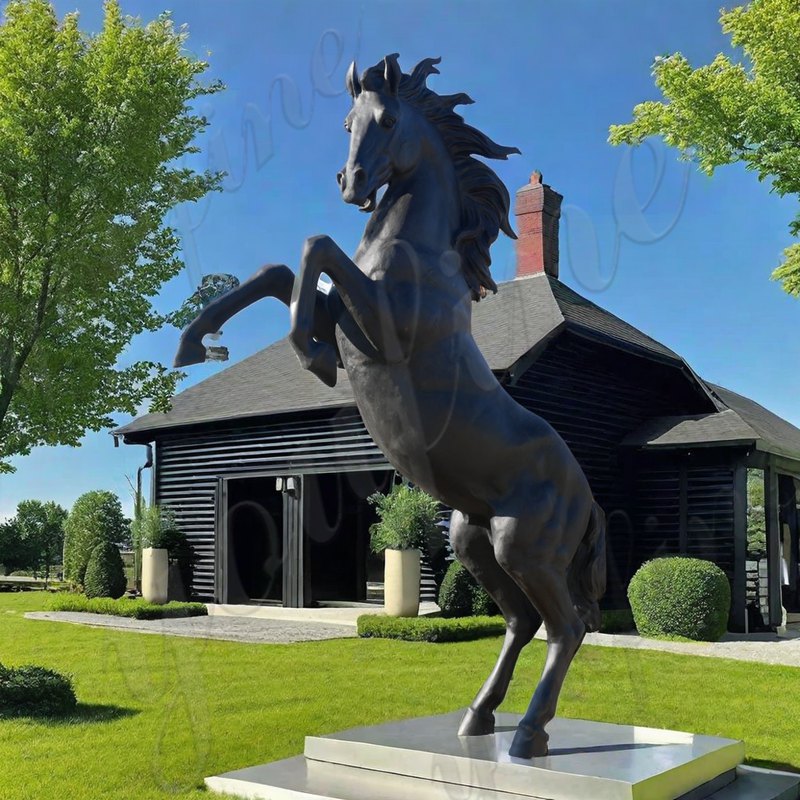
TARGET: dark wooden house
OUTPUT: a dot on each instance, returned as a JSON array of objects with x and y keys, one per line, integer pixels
[{"x": 268, "y": 470}]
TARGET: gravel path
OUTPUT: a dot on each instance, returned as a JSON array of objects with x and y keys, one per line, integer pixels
[{"x": 231, "y": 629}]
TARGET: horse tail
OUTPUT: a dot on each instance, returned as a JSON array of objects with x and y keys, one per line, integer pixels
[{"x": 587, "y": 573}]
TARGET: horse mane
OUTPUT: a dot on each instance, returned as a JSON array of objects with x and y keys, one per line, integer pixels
[{"x": 484, "y": 198}]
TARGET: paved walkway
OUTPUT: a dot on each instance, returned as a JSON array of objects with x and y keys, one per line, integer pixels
[
  {"x": 253, "y": 630},
  {"x": 762, "y": 648},
  {"x": 260, "y": 624}
]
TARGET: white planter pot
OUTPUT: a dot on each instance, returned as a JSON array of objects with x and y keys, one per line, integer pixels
[
  {"x": 401, "y": 583},
  {"x": 155, "y": 575}
]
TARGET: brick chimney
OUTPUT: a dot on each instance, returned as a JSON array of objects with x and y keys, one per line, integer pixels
[{"x": 537, "y": 210}]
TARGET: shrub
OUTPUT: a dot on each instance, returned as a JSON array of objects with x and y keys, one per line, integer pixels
[
  {"x": 156, "y": 527},
  {"x": 617, "y": 621},
  {"x": 429, "y": 629},
  {"x": 461, "y": 596},
  {"x": 135, "y": 609},
  {"x": 96, "y": 517},
  {"x": 30, "y": 691},
  {"x": 105, "y": 573},
  {"x": 680, "y": 597},
  {"x": 408, "y": 516}
]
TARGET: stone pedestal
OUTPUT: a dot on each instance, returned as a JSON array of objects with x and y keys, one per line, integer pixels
[{"x": 425, "y": 759}]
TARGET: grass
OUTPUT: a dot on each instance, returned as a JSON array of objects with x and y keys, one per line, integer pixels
[
  {"x": 157, "y": 714},
  {"x": 125, "y": 607}
]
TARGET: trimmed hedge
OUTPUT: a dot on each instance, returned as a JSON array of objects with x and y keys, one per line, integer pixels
[
  {"x": 31, "y": 691},
  {"x": 136, "y": 609},
  {"x": 461, "y": 596},
  {"x": 429, "y": 629},
  {"x": 105, "y": 573},
  {"x": 680, "y": 596}
]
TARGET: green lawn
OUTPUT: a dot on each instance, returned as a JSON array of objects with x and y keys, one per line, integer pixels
[{"x": 159, "y": 714}]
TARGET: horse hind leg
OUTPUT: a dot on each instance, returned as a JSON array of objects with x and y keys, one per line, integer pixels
[
  {"x": 545, "y": 586},
  {"x": 473, "y": 548},
  {"x": 587, "y": 572}
]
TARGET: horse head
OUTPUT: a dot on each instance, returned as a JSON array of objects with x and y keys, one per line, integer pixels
[{"x": 386, "y": 133}]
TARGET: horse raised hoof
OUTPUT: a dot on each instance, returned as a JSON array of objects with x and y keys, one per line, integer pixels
[
  {"x": 529, "y": 743},
  {"x": 477, "y": 723},
  {"x": 323, "y": 363},
  {"x": 190, "y": 351}
]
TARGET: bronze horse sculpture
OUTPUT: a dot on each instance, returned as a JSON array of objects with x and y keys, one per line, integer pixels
[{"x": 524, "y": 523}]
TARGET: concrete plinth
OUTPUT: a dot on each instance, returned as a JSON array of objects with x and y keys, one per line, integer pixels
[{"x": 425, "y": 759}]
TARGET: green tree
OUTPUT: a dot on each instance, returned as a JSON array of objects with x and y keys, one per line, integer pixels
[
  {"x": 105, "y": 573},
  {"x": 95, "y": 518},
  {"x": 93, "y": 130},
  {"x": 41, "y": 526},
  {"x": 14, "y": 551},
  {"x": 728, "y": 112},
  {"x": 756, "y": 516}
]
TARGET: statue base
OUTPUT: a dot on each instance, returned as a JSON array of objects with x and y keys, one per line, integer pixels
[{"x": 425, "y": 759}]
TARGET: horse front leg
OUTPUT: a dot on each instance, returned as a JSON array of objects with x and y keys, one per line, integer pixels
[
  {"x": 272, "y": 280},
  {"x": 361, "y": 296}
]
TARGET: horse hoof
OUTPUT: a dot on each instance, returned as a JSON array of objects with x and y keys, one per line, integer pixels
[
  {"x": 189, "y": 352},
  {"x": 528, "y": 743},
  {"x": 323, "y": 365},
  {"x": 477, "y": 723}
]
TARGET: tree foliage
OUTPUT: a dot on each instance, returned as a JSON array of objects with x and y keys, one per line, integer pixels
[
  {"x": 91, "y": 132},
  {"x": 756, "y": 515},
  {"x": 105, "y": 573},
  {"x": 14, "y": 553},
  {"x": 41, "y": 527},
  {"x": 728, "y": 112},
  {"x": 95, "y": 518}
]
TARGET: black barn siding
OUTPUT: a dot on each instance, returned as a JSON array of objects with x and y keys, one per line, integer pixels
[
  {"x": 594, "y": 396},
  {"x": 188, "y": 465},
  {"x": 686, "y": 508}
]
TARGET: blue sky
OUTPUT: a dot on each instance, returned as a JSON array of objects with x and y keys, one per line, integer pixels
[{"x": 691, "y": 267}]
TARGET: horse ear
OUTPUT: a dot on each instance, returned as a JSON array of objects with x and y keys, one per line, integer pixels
[
  {"x": 392, "y": 73},
  {"x": 352, "y": 82}
]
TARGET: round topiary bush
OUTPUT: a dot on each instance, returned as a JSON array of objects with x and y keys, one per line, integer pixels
[
  {"x": 680, "y": 597},
  {"x": 105, "y": 573},
  {"x": 95, "y": 517},
  {"x": 461, "y": 596},
  {"x": 30, "y": 691}
]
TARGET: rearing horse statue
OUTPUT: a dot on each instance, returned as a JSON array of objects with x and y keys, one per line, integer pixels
[{"x": 398, "y": 320}]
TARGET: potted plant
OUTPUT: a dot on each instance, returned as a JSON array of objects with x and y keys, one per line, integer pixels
[
  {"x": 407, "y": 517},
  {"x": 157, "y": 534}
]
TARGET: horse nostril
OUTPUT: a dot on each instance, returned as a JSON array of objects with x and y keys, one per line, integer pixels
[
  {"x": 359, "y": 176},
  {"x": 340, "y": 178}
]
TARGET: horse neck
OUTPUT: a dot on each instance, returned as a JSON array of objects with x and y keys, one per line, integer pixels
[{"x": 421, "y": 207}]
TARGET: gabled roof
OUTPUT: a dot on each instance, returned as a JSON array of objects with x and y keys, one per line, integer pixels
[
  {"x": 740, "y": 421},
  {"x": 506, "y": 326}
]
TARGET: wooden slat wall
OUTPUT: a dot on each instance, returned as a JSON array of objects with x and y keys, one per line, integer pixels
[
  {"x": 594, "y": 396},
  {"x": 187, "y": 466},
  {"x": 709, "y": 491},
  {"x": 656, "y": 511},
  {"x": 705, "y": 517}
]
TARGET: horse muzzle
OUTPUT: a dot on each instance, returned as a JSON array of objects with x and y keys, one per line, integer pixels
[{"x": 355, "y": 188}]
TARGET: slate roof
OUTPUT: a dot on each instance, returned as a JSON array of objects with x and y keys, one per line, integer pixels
[
  {"x": 740, "y": 421},
  {"x": 506, "y": 326}
]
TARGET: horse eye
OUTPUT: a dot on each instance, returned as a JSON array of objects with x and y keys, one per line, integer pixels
[{"x": 388, "y": 122}]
